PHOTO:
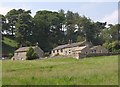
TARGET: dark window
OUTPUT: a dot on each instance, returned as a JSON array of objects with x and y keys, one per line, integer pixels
[
  {"x": 17, "y": 53},
  {"x": 53, "y": 51},
  {"x": 92, "y": 51},
  {"x": 57, "y": 50},
  {"x": 95, "y": 51},
  {"x": 61, "y": 50},
  {"x": 66, "y": 52}
]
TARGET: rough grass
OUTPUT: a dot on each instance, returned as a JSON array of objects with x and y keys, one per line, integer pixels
[
  {"x": 0, "y": 73},
  {"x": 62, "y": 71},
  {"x": 8, "y": 44}
]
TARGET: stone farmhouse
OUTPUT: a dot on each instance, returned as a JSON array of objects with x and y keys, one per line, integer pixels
[
  {"x": 78, "y": 50},
  {"x": 20, "y": 54}
]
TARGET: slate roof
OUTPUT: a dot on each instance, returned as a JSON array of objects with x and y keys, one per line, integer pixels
[
  {"x": 69, "y": 45},
  {"x": 60, "y": 47},
  {"x": 75, "y": 44},
  {"x": 80, "y": 48},
  {"x": 94, "y": 47},
  {"x": 23, "y": 49}
]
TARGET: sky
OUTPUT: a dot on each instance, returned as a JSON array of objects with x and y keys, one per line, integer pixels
[{"x": 97, "y": 11}]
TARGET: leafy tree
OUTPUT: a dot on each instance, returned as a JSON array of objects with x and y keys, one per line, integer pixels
[
  {"x": 114, "y": 32},
  {"x": 24, "y": 28},
  {"x": 4, "y": 23},
  {"x": 12, "y": 18},
  {"x": 31, "y": 54},
  {"x": 70, "y": 25},
  {"x": 86, "y": 28},
  {"x": 49, "y": 29},
  {"x": 113, "y": 46},
  {"x": 116, "y": 46},
  {"x": 111, "y": 33}
]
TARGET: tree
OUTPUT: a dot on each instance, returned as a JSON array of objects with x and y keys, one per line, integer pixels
[
  {"x": 31, "y": 54},
  {"x": 24, "y": 28},
  {"x": 111, "y": 33},
  {"x": 49, "y": 29},
  {"x": 4, "y": 23},
  {"x": 114, "y": 32},
  {"x": 86, "y": 28},
  {"x": 113, "y": 46},
  {"x": 98, "y": 27},
  {"x": 70, "y": 26},
  {"x": 12, "y": 18}
]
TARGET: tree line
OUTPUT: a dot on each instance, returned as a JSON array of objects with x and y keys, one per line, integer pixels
[{"x": 50, "y": 29}]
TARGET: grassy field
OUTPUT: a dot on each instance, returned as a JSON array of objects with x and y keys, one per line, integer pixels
[
  {"x": 0, "y": 73},
  {"x": 62, "y": 71},
  {"x": 9, "y": 44}
]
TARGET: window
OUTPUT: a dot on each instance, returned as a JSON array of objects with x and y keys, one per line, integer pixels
[
  {"x": 95, "y": 51},
  {"x": 17, "y": 53},
  {"x": 53, "y": 51},
  {"x": 92, "y": 51},
  {"x": 69, "y": 51},
  {"x": 61, "y": 50},
  {"x": 57, "y": 50},
  {"x": 66, "y": 52}
]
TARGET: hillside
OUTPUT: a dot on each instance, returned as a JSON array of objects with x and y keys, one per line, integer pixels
[
  {"x": 8, "y": 45},
  {"x": 62, "y": 71}
]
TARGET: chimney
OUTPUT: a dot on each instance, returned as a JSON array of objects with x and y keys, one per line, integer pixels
[
  {"x": 37, "y": 44},
  {"x": 70, "y": 41}
]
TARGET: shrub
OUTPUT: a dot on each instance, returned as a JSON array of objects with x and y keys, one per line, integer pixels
[
  {"x": 57, "y": 54},
  {"x": 113, "y": 46},
  {"x": 31, "y": 54},
  {"x": 28, "y": 43},
  {"x": 47, "y": 54},
  {"x": 10, "y": 55}
]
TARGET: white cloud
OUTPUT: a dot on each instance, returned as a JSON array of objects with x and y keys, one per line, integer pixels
[{"x": 111, "y": 18}]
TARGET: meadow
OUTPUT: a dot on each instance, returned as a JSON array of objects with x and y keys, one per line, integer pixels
[{"x": 61, "y": 71}]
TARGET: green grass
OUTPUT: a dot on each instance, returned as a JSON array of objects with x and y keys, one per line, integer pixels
[
  {"x": 0, "y": 73},
  {"x": 62, "y": 71},
  {"x": 9, "y": 44}
]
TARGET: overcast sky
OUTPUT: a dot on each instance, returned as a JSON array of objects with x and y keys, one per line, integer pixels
[{"x": 97, "y": 11}]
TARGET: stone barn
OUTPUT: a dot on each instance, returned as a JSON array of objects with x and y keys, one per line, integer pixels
[
  {"x": 98, "y": 49},
  {"x": 20, "y": 54}
]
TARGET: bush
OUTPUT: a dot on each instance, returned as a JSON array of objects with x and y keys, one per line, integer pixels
[
  {"x": 57, "y": 54},
  {"x": 31, "y": 54},
  {"x": 47, "y": 54},
  {"x": 28, "y": 43},
  {"x": 113, "y": 46},
  {"x": 10, "y": 55}
]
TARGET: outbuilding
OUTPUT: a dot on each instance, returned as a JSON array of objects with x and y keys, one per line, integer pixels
[{"x": 20, "y": 54}]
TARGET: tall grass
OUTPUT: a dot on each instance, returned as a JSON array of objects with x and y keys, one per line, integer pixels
[{"x": 62, "y": 71}]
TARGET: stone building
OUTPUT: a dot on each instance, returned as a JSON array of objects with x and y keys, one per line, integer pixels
[
  {"x": 20, "y": 54},
  {"x": 77, "y": 50}
]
